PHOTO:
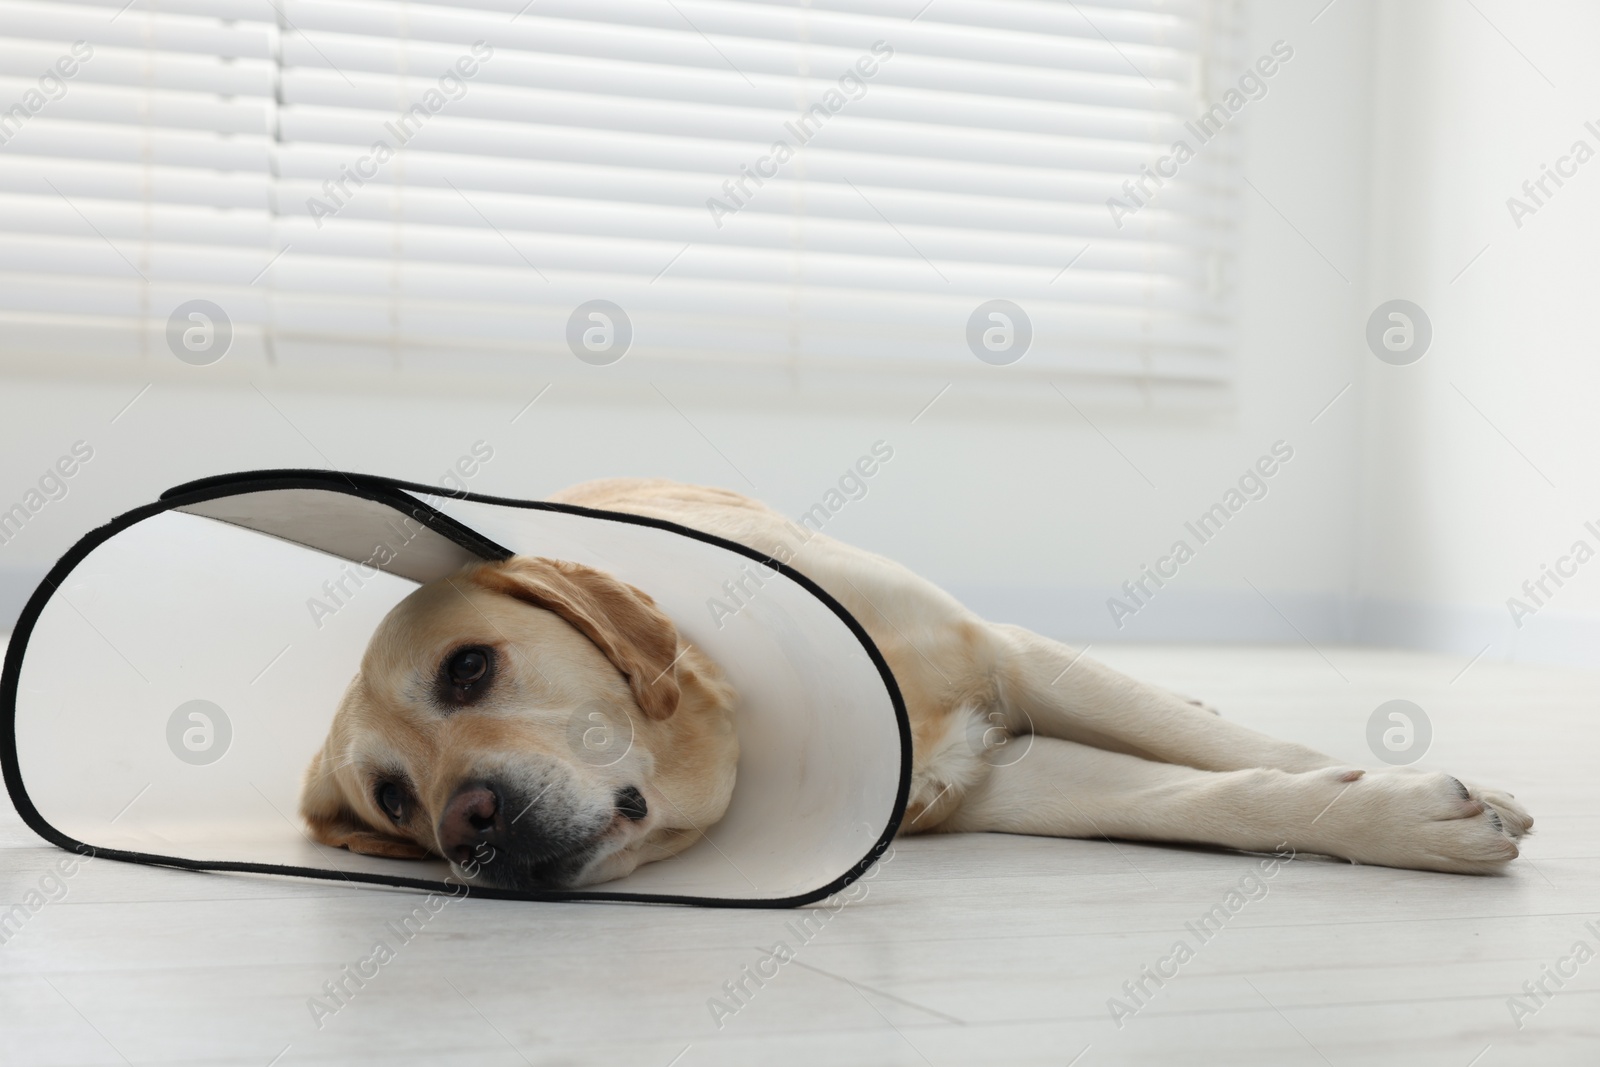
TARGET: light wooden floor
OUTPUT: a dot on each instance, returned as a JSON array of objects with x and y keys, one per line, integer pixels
[{"x": 966, "y": 950}]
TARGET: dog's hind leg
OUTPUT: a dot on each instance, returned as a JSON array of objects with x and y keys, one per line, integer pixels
[
  {"x": 1393, "y": 818},
  {"x": 1044, "y": 687}
]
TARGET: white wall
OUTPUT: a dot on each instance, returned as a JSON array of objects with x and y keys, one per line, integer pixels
[
  {"x": 1461, "y": 506},
  {"x": 1031, "y": 515}
]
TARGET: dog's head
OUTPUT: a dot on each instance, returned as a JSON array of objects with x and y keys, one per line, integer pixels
[{"x": 536, "y": 722}]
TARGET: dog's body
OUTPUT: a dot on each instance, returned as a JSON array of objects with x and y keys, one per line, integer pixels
[{"x": 539, "y": 641}]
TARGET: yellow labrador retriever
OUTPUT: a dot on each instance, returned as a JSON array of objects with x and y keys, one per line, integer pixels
[{"x": 453, "y": 738}]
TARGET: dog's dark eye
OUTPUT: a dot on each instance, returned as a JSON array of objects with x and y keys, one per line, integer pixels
[
  {"x": 465, "y": 675},
  {"x": 392, "y": 799},
  {"x": 468, "y": 666}
]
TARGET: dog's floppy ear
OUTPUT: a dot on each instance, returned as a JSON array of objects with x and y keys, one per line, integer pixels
[
  {"x": 332, "y": 821},
  {"x": 623, "y": 622}
]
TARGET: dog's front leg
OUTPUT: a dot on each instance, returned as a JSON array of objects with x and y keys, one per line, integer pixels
[
  {"x": 1047, "y": 688},
  {"x": 1390, "y": 818}
]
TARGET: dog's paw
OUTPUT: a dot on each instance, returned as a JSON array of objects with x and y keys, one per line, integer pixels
[{"x": 1421, "y": 820}]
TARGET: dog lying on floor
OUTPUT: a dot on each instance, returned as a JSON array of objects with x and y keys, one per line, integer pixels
[{"x": 452, "y": 740}]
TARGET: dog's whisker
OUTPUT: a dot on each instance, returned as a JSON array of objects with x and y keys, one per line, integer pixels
[{"x": 333, "y": 767}]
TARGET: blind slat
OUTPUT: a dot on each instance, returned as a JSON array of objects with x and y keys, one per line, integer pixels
[{"x": 370, "y": 182}]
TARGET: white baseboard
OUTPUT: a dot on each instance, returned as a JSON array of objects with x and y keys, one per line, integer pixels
[
  {"x": 1081, "y": 616},
  {"x": 1172, "y": 615},
  {"x": 1569, "y": 639}
]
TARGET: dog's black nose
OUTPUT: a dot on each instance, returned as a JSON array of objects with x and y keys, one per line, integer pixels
[
  {"x": 471, "y": 820},
  {"x": 503, "y": 835}
]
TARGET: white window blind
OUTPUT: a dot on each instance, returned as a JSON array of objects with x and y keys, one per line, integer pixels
[{"x": 940, "y": 156}]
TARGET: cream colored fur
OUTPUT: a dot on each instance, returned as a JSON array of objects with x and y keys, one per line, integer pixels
[
  {"x": 1012, "y": 732},
  {"x": 1111, "y": 756}
]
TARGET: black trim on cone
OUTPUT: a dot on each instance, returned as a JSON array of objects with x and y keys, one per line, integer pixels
[{"x": 395, "y": 494}]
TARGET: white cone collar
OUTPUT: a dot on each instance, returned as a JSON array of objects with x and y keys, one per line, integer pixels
[{"x": 169, "y": 681}]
